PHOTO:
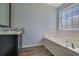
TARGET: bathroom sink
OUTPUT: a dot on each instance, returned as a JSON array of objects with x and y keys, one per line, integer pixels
[{"x": 10, "y": 32}]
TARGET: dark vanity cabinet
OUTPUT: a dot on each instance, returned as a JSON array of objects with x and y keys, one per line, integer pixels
[
  {"x": 10, "y": 41},
  {"x": 9, "y": 45}
]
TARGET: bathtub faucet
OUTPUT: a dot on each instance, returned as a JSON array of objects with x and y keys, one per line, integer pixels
[{"x": 72, "y": 45}]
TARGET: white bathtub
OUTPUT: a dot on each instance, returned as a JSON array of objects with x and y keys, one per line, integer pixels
[{"x": 57, "y": 46}]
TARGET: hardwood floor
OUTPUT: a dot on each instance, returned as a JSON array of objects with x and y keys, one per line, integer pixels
[{"x": 35, "y": 51}]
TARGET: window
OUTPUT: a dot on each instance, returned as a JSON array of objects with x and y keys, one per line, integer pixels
[{"x": 69, "y": 18}]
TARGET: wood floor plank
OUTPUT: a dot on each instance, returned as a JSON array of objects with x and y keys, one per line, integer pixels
[{"x": 35, "y": 51}]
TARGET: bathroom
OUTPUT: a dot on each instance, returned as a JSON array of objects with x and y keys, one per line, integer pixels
[{"x": 39, "y": 29}]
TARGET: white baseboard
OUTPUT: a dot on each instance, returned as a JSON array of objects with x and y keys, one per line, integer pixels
[{"x": 33, "y": 45}]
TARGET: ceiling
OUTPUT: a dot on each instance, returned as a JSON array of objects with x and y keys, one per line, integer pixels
[{"x": 55, "y": 4}]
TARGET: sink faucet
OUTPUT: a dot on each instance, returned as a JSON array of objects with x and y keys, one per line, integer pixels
[
  {"x": 66, "y": 43},
  {"x": 72, "y": 45}
]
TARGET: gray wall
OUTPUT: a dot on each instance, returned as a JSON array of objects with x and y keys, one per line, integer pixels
[{"x": 36, "y": 19}]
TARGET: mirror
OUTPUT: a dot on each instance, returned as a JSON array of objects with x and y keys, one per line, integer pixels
[{"x": 4, "y": 14}]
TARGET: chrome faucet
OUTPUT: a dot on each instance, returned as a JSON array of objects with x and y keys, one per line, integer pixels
[
  {"x": 66, "y": 43},
  {"x": 72, "y": 45}
]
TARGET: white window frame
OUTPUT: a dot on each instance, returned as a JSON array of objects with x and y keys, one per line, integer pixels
[{"x": 60, "y": 20}]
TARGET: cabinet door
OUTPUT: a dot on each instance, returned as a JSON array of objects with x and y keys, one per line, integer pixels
[{"x": 8, "y": 45}]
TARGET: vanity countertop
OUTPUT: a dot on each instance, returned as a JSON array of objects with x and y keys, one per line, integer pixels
[{"x": 10, "y": 32}]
